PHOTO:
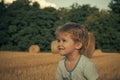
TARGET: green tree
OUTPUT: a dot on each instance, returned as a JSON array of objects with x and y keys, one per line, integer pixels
[
  {"x": 102, "y": 25},
  {"x": 79, "y": 13},
  {"x": 3, "y": 29},
  {"x": 28, "y": 24},
  {"x": 115, "y": 15},
  {"x": 2, "y": 8},
  {"x": 115, "y": 6}
]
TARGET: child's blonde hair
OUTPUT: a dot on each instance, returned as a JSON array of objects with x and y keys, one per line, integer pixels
[{"x": 77, "y": 32}]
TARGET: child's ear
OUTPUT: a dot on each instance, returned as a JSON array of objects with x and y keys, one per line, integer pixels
[{"x": 78, "y": 45}]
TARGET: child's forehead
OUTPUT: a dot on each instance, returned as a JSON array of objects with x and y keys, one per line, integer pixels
[{"x": 63, "y": 34}]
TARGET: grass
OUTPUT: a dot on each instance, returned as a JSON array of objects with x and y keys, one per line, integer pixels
[{"x": 26, "y": 66}]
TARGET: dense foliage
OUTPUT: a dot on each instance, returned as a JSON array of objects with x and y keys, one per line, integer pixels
[{"x": 23, "y": 24}]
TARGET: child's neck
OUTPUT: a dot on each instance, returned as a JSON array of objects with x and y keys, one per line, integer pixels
[
  {"x": 73, "y": 57},
  {"x": 71, "y": 61}
]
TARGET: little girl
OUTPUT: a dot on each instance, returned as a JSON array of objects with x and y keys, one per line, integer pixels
[{"x": 72, "y": 41}]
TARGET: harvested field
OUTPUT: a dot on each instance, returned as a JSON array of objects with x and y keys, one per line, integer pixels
[{"x": 26, "y": 66}]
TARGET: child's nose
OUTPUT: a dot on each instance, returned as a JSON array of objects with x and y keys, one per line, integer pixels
[{"x": 60, "y": 43}]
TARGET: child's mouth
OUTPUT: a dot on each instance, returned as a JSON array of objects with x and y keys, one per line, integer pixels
[{"x": 60, "y": 48}]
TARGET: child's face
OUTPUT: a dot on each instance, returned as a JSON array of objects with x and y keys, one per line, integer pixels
[{"x": 66, "y": 45}]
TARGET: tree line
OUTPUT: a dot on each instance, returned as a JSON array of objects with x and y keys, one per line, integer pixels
[{"x": 23, "y": 24}]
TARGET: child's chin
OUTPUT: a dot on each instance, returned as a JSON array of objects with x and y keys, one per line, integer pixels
[{"x": 62, "y": 54}]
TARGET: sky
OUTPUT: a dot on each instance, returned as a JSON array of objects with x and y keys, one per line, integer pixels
[{"x": 101, "y": 4}]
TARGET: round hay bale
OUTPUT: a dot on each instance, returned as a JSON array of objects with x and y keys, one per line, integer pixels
[
  {"x": 54, "y": 48},
  {"x": 97, "y": 52},
  {"x": 91, "y": 46},
  {"x": 34, "y": 49}
]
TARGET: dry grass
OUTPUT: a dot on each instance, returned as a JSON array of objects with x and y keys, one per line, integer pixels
[
  {"x": 108, "y": 65},
  {"x": 26, "y": 66}
]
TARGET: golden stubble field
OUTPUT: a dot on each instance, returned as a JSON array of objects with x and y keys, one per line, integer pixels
[{"x": 42, "y": 66}]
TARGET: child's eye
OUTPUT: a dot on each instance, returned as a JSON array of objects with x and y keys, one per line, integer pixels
[
  {"x": 64, "y": 40},
  {"x": 58, "y": 40},
  {"x": 61, "y": 40}
]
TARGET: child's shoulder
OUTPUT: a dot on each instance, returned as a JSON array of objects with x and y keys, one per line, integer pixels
[
  {"x": 86, "y": 63},
  {"x": 86, "y": 60},
  {"x": 62, "y": 60}
]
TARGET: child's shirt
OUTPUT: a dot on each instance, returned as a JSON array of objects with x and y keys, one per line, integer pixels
[{"x": 83, "y": 70}]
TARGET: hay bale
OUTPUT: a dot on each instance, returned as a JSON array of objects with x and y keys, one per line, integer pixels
[
  {"x": 54, "y": 48},
  {"x": 98, "y": 52},
  {"x": 91, "y": 46},
  {"x": 34, "y": 49}
]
